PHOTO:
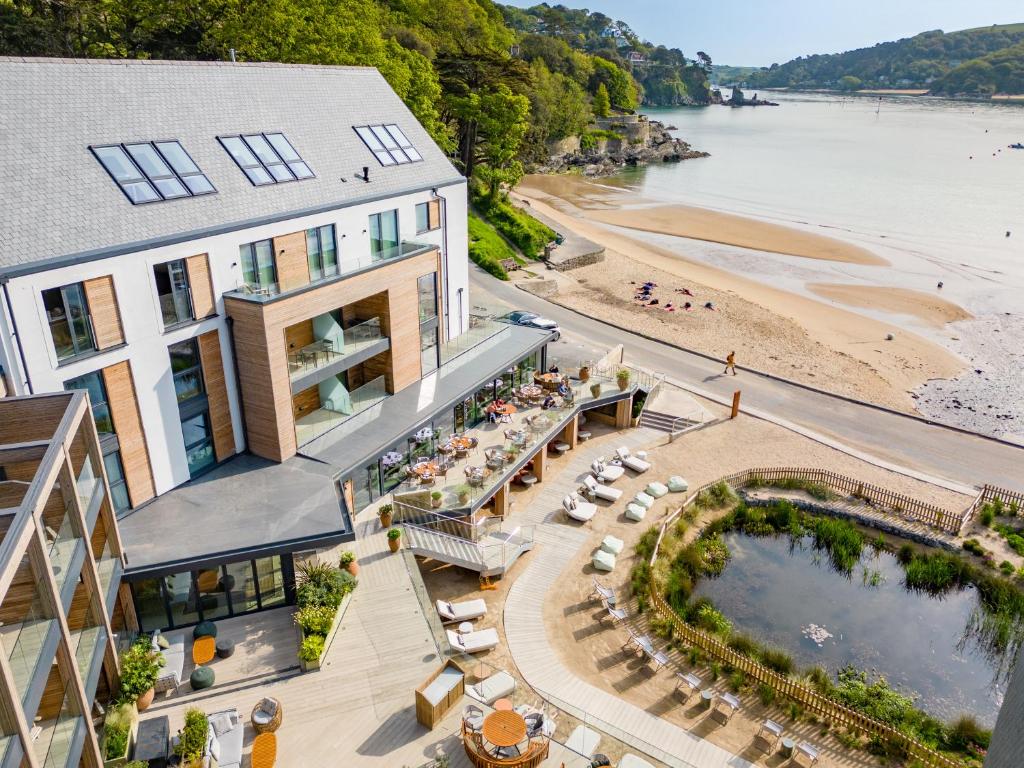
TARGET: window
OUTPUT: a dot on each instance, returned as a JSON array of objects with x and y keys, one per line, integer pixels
[
  {"x": 68, "y": 316},
  {"x": 258, "y": 267},
  {"x": 266, "y": 158},
  {"x": 173, "y": 291},
  {"x": 428, "y": 216},
  {"x": 388, "y": 144},
  {"x": 428, "y": 349},
  {"x": 198, "y": 438},
  {"x": 426, "y": 288},
  {"x": 321, "y": 252},
  {"x": 93, "y": 384},
  {"x": 383, "y": 235},
  {"x": 148, "y": 172},
  {"x": 187, "y": 369},
  {"x": 118, "y": 486}
]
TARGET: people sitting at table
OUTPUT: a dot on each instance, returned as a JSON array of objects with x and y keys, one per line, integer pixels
[
  {"x": 564, "y": 389},
  {"x": 553, "y": 368},
  {"x": 549, "y": 402}
]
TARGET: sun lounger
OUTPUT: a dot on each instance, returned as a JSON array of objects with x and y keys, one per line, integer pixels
[
  {"x": 677, "y": 484},
  {"x": 612, "y": 544},
  {"x": 601, "y": 592},
  {"x": 635, "y": 512},
  {"x": 497, "y": 686},
  {"x": 604, "y": 561},
  {"x": 583, "y": 741},
  {"x": 601, "y": 491},
  {"x": 617, "y": 615},
  {"x": 725, "y": 707},
  {"x": 474, "y": 642},
  {"x": 638, "y": 465},
  {"x": 656, "y": 489},
  {"x": 689, "y": 682},
  {"x": 644, "y": 500},
  {"x": 769, "y": 734},
  {"x": 632, "y": 761},
  {"x": 583, "y": 511},
  {"x": 456, "y": 613},
  {"x": 639, "y": 643},
  {"x": 658, "y": 657},
  {"x": 805, "y": 754},
  {"x": 606, "y": 473}
]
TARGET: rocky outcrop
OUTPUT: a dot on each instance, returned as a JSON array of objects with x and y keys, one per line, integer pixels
[
  {"x": 637, "y": 141},
  {"x": 739, "y": 100}
]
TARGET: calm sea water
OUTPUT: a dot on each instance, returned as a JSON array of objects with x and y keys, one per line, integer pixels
[{"x": 773, "y": 592}]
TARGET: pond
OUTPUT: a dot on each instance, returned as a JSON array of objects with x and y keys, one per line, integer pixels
[{"x": 789, "y": 596}]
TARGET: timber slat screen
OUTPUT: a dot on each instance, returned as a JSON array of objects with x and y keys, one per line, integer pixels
[{"x": 807, "y": 697}]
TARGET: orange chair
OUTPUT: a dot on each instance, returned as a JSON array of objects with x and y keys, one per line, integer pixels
[{"x": 264, "y": 751}]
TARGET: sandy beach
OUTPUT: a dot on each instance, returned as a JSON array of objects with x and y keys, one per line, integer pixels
[
  {"x": 930, "y": 309},
  {"x": 770, "y": 329}
]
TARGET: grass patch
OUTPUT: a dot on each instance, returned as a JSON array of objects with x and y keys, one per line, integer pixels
[{"x": 487, "y": 249}]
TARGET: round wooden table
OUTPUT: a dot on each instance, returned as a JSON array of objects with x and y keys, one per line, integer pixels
[
  {"x": 503, "y": 410},
  {"x": 548, "y": 381},
  {"x": 504, "y": 729},
  {"x": 531, "y": 391},
  {"x": 426, "y": 469},
  {"x": 458, "y": 444}
]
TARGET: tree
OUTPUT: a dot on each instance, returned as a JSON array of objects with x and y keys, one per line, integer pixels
[
  {"x": 502, "y": 118},
  {"x": 622, "y": 92},
  {"x": 602, "y": 106},
  {"x": 704, "y": 61},
  {"x": 850, "y": 83}
]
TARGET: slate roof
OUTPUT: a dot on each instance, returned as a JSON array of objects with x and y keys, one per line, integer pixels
[{"x": 59, "y": 204}]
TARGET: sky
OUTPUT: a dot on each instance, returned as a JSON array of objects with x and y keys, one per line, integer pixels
[{"x": 760, "y": 32}]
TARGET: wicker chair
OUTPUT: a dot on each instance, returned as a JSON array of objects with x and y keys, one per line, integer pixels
[{"x": 266, "y": 716}]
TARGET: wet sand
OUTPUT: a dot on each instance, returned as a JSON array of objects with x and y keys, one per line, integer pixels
[
  {"x": 729, "y": 229},
  {"x": 930, "y": 309}
]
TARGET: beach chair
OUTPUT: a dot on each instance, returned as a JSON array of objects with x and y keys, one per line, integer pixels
[
  {"x": 603, "y": 593},
  {"x": 725, "y": 707},
  {"x": 456, "y": 613},
  {"x": 606, "y": 473},
  {"x": 598, "y": 491},
  {"x": 768, "y": 736},
  {"x": 634, "y": 463},
  {"x": 583, "y": 741},
  {"x": 617, "y": 615},
  {"x": 658, "y": 658},
  {"x": 474, "y": 642},
  {"x": 805, "y": 755},
  {"x": 688, "y": 683},
  {"x": 582, "y": 511}
]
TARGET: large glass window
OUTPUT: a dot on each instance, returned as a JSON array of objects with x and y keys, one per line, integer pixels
[
  {"x": 258, "y": 267},
  {"x": 93, "y": 384},
  {"x": 187, "y": 369},
  {"x": 365, "y": 486},
  {"x": 149, "y": 604},
  {"x": 266, "y": 158},
  {"x": 198, "y": 443},
  {"x": 118, "y": 486},
  {"x": 241, "y": 585},
  {"x": 182, "y": 598},
  {"x": 428, "y": 350},
  {"x": 68, "y": 316},
  {"x": 321, "y": 252},
  {"x": 212, "y": 591},
  {"x": 270, "y": 578},
  {"x": 150, "y": 171},
  {"x": 173, "y": 291},
  {"x": 388, "y": 143},
  {"x": 426, "y": 288},
  {"x": 383, "y": 234}
]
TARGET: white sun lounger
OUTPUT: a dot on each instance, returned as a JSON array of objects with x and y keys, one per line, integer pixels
[
  {"x": 474, "y": 642},
  {"x": 689, "y": 681},
  {"x": 632, "y": 761},
  {"x": 806, "y": 752},
  {"x": 606, "y": 473},
  {"x": 617, "y": 615},
  {"x": 456, "y": 613},
  {"x": 632, "y": 462},
  {"x": 658, "y": 657},
  {"x": 601, "y": 491},
  {"x": 583, "y": 741},
  {"x": 601, "y": 592},
  {"x": 583, "y": 511},
  {"x": 489, "y": 690}
]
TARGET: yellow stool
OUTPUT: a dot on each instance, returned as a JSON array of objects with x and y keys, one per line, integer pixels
[
  {"x": 203, "y": 649},
  {"x": 264, "y": 751}
]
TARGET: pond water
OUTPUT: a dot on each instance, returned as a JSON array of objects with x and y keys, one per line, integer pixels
[{"x": 775, "y": 591}]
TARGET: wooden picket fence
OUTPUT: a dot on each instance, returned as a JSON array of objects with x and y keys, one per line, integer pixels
[{"x": 991, "y": 493}]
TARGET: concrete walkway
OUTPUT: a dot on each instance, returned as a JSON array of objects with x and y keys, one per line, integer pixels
[{"x": 538, "y": 663}]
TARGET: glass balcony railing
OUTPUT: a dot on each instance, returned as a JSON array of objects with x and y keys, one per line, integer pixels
[
  {"x": 54, "y": 745},
  {"x": 25, "y": 643},
  {"x": 349, "y": 263},
  {"x": 109, "y": 569},
  {"x": 87, "y": 642},
  {"x": 482, "y": 333},
  {"x": 63, "y": 547},
  {"x": 333, "y": 414},
  {"x": 324, "y": 352}
]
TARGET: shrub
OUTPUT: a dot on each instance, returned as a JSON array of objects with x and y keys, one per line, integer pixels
[
  {"x": 743, "y": 644},
  {"x": 115, "y": 740},
  {"x": 322, "y": 585},
  {"x": 971, "y": 545},
  {"x": 529, "y": 235},
  {"x": 192, "y": 738},
  {"x": 711, "y": 619},
  {"x": 777, "y": 660},
  {"x": 315, "y": 619},
  {"x": 987, "y": 515},
  {"x": 394, "y": 533},
  {"x": 1007, "y": 568},
  {"x": 936, "y": 572},
  {"x": 840, "y": 539},
  {"x": 694, "y": 656},
  {"x": 347, "y": 558},
  {"x": 715, "y": 669},
  {"x": 715, "y": 497},
  {"x": 140, "y": 667},
  {"x": 766, "y": 693},
  {"x": 1016, "y": 543},
  {"x": 487, "y": 249},
  {"x": 965, "y": 732},
  {"x": 737, "y": 680},
  {"x": 714, "y": 554},
  {"x": 906, "y": 553},
  {"x": 311, "y": 648}
]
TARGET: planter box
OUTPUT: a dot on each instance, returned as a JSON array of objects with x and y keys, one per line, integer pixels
[
  {"x": 133, "y": 730},
  {"x": 313, "y": 666}
]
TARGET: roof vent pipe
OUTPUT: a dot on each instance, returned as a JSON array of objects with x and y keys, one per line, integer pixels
[{"x": 366, "y": 174}]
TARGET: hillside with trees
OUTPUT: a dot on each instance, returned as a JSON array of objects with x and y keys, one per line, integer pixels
[{"x": 985, "y": 60}]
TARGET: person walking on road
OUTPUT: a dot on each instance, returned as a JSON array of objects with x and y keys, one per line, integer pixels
[{"x": 730, "y": 362}]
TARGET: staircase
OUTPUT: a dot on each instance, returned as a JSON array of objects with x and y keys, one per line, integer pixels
[
  {"x": 671, "y": 410},
  {"x": 664, "y": 422},
  {"x": 491, "y": 556}
]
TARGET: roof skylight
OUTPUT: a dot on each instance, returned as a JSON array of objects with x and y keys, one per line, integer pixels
[
  {"x": 388, "y": 144},
  {"x": 148, "y": 172},
  {"x": 266, "y": 158}
]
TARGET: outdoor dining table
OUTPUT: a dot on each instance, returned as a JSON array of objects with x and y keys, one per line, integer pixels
[
  {"x": 426, "y": 469},
  {"x": 504, "y": 729},
  {"x": 531, "y": 391},
  {"x": 457, "y": 444},
  {"x": 502, "y": 410},
  {"x": 549, "y": 381}
]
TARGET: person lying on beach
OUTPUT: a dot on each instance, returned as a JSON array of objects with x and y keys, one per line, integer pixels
[
  {"x": 669, "y": 307},
  {"x": 684, "y": 291},
  {"x": 687, "y": 306},
  {"x": 653, "y": 302},
  {"x": 709, "y": 305}
]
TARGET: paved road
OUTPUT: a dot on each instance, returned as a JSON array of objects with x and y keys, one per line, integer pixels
[{"x": 927, "y": 448}]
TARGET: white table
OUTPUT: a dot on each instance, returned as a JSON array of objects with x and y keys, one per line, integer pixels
[{"x": 465, "y": 627}]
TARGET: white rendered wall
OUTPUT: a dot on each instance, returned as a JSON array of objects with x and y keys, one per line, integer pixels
[{"x": 145, "y": 340}]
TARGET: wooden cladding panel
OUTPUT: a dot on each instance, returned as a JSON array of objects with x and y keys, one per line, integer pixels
[
  {"x": 291, "y": 259},
  {"x": 124, "y": 411},
  {"x": 53, "y": 695},
  {"x": 20, "y": 595},
  {"x": 262, "y": 354},
  {"x": 106, "y": 318},
  {"x": 299, "y": 335},
  {"x": 203, "y": 302},
  {"x": 24, "y": 421},
  {"x": 433, "y": 214},
  {"x": 305, "y": 402},
  {"x": 217, "y": 395}
]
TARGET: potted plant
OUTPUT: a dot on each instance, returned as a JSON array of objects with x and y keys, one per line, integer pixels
[
  {"x": 140, "y": 667},
  {"x": 435, "y": 499},
  {"x": 622, "y": 378},
  {"x": 348, "y": 562},
  {"x": 117, "y": 735},
  {"x": 595, "y": 390},
  {"x": 395, "y": 539},
  {"x": 463, "y": 491},
  {"x": 192, "y": 739},
  {"x": 584, "y": 373},
  {"x": 385, "y": 513},
  {"x": 310, "y": 651}
]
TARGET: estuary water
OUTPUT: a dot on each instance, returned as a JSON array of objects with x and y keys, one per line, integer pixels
[{"x": 930, "y": 185}]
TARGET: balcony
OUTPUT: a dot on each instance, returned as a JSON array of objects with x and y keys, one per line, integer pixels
[
  {"x": 335, "y": 411},
  {"x": 28, "y": 643},
  {"x": 350, "y": 264},
  {"x": 365, "y": 340},
  {"x": 481, "y": 335}
]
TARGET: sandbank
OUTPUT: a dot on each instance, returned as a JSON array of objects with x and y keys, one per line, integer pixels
[
  {"x": 717, "y": 227},
  {"x": 928, "y": 308}
]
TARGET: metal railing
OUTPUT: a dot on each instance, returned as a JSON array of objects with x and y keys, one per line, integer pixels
[
  {"x": 323, "y": 352},
  {"x": 331, "y": 415},
  {"x": 480, "y": 331}
]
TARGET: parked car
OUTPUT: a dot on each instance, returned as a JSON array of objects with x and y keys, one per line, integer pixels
[{"x": 532, "y": 320}]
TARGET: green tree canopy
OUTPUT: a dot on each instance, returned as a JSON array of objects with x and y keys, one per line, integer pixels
[{"x": 602, "y": 104}]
